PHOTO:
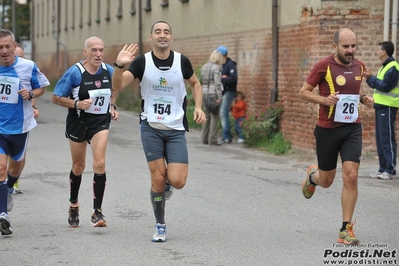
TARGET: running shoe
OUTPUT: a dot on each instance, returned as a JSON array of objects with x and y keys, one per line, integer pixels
[
  {"x": 10, "y": 200},
  {"x": 240, "y": 141},
  {"x": 168, "y": 191},
  {"x": 220, "y": 141},
  {"x": 384, "y": 176},
  {"x": 73, "y": 218},
  {"x": 347, "y": 236},
  {"x": 97, "y": 219},
  {"x": 375, "y": 175},
  {"x": 5, "y": 226},
  {"x": 307, "y": 188},
  {"x": 160, "y": 233},
  {"x": 16, "y": 188}
]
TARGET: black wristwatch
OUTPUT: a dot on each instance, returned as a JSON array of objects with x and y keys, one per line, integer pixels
[
  {"x": 114, "y": 105},
  {"x": 118, "y": 66},
  {"x": 31, "y": 95}
]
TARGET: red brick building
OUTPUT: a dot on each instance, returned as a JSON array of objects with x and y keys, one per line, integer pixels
[{"x": 305, "y": 34}]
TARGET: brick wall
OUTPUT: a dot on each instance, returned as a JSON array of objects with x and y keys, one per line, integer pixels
[{"x": 300, "y": 47}]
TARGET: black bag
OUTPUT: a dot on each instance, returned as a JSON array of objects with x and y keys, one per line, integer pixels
[{"x": 212, "y": 105}]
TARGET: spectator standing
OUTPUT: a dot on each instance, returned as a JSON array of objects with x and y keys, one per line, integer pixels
[
  {"x": 229, "y": 82},
  {"x": 386, "y": 103},
  {"x": 238, "y": 111},
  {"x": 211, "y": 91}
]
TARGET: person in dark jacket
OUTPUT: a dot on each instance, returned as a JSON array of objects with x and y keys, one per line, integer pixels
[
  {"x": 229, "y": 82},
  {"x": 386, "y": 104}
]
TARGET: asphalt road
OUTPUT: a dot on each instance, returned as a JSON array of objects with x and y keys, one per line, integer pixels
[{"x": 239, "y": 207}]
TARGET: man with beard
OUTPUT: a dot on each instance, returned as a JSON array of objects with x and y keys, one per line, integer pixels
[{"x": 338, "y": 129}]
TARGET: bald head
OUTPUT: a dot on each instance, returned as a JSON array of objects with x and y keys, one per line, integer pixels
[
  {"x": 19, "y": 52},
  {"x": 345, "y": 33},
  {"x": 89, "y": 42}
]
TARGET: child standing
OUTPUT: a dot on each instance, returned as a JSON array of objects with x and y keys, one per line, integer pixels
[{"x": 238, "y": 111}]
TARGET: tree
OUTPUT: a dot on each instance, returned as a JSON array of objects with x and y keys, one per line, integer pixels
[{"x": 22, "y": 18}]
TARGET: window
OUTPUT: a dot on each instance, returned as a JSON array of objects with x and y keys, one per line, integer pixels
[
  {"x": 89, "y": 21},
  {"x": 119, "y": 14},
  {"x": 37, "y": 24},
  {"x": 98, "y": 19},
  {"x": 81, "y": 15},
  {"x": 165, "y": 3},
  {"x": 133, "y": 8},
  {"x": 43, "y": 17},
  {"x": 148, "y": 6},
  {"x": 46, "y": 14},
  {"x": 66, "y": 16},
  {"x": 73, "y": 15},
  {"x": 108, "y": 13}
]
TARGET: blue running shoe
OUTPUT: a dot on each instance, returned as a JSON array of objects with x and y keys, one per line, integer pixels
[{"x": 160, "y": 233}]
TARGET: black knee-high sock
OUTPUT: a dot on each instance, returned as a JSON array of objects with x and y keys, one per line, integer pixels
[
  {"x": 99, "y": 181},
  {"x": 11, "y": 180},
  {"x": 74, "y": 184},
  {"x": 158, "y": 204}
]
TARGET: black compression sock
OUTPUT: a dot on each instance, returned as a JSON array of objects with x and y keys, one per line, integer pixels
[
  {"x": 74, "y": 181},
  {"x": 99, "y": 181}
]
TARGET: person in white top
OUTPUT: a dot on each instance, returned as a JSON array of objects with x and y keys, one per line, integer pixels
[{"x": 162, "y": 74}]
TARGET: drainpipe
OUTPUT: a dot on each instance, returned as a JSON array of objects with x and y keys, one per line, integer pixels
[
  {"x": 55, "y": 33},
  {"x": 394, "y": 26},
  {"x": 140, "y": 28},
  {"x": 386, "y": 19},
  {"x": 274, "y": 92}
]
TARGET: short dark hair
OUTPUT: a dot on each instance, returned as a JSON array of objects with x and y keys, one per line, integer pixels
[
  {"x": 160, "y": 21},
  {"x": 241, "y": 94},
  {"x": 388, "y": 47}
]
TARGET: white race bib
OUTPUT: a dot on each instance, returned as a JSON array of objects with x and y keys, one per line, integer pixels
[
  {"x": 161, "y": 109},
  {"x": 9, "y": 87},
  {"x": 101, "y": 99},
  {"x": 347, "y": 108}
]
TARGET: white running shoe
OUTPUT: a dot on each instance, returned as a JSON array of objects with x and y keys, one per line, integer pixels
[
  {"x": 384, "y": 176},
  {"x": 375, "y": 175},
  {"x": 240, "y": 141},
  {"x": 160, "y": 233}
]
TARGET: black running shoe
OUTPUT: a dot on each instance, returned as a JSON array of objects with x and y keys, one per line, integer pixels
[
  {"x": 73, "y": 218},
  {"x": 5, "y": 226},
  {"x": 97, "y": 219}
]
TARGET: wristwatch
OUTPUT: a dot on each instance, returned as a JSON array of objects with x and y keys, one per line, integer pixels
[
  {"x": 31, "y": 95},
  {"x": 114, "y": 105},
  {"x": 118, "y": 66}
]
